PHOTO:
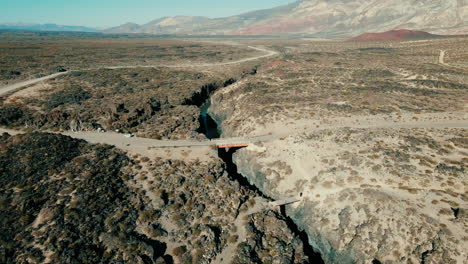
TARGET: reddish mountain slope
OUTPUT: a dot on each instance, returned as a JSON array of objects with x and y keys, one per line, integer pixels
[
  {"x": 402, "y": 34},
  {"x": 322, "y": 18}
]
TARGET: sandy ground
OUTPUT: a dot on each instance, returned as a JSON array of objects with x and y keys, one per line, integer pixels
[{"x": 285, "y": 127}]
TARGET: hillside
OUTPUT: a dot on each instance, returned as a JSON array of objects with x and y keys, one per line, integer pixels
[{"x": 322, "y": 18}]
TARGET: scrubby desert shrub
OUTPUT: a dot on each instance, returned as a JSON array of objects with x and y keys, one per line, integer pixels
[
  {"x": 74, "y": 95},
  {"x": 12, "y": 114}
]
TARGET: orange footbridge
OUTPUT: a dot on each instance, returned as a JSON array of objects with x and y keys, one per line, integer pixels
[{"x": 239, "y": 142}]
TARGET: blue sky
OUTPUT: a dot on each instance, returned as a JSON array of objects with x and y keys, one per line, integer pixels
[{"x": 106, "y": 13}]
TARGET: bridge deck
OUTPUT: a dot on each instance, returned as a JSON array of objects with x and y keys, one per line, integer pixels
[
  {"x": 233, "y": 145},
  {"x": 284, "y": 202}
]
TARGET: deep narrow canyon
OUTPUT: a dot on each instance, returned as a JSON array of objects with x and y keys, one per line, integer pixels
[{"x": 211, "y": 130}]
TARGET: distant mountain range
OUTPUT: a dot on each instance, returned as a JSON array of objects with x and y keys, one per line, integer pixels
[
  {"x": 322, "y": 18},
  {"x": 46, "y": 27},
  {"x": 319, "y": 18}
]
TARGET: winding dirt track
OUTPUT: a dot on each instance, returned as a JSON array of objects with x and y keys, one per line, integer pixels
[
  {"x": 442, "y": 61},
  {"x": 13, "y": 87}
]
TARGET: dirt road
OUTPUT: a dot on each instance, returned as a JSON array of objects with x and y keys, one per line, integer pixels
[
  {"x": 16, "y": 86},
  {"x": 10, "y": 88},
  {"x": 269, "y": 53},
  {"x": 144, "y": 144}
]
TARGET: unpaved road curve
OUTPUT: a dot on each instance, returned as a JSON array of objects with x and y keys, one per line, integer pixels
[
  {"x": 269, "y": 53},
  {"x": 16, "y": 86},
  {"x": 10, "y": 88},
  {"x": 442, "y": 61}
]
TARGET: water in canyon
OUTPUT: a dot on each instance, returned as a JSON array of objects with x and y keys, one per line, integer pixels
[{"x": 208, "y": 126}]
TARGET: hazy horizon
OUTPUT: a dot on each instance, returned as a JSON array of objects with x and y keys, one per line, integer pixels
[{"x": 108, "y": 13}]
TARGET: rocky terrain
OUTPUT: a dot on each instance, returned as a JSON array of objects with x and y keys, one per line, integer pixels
[
  {"x": 31, "y": 55},
  {"x": 154, "y": 103},
  {"x": 66, "y": 201},
  {"x": 321, "y": 18},
  {"x": 372, "y": 139},
  {"x": 391, "y": 195},
  {"x": 367, "y": 139}
]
